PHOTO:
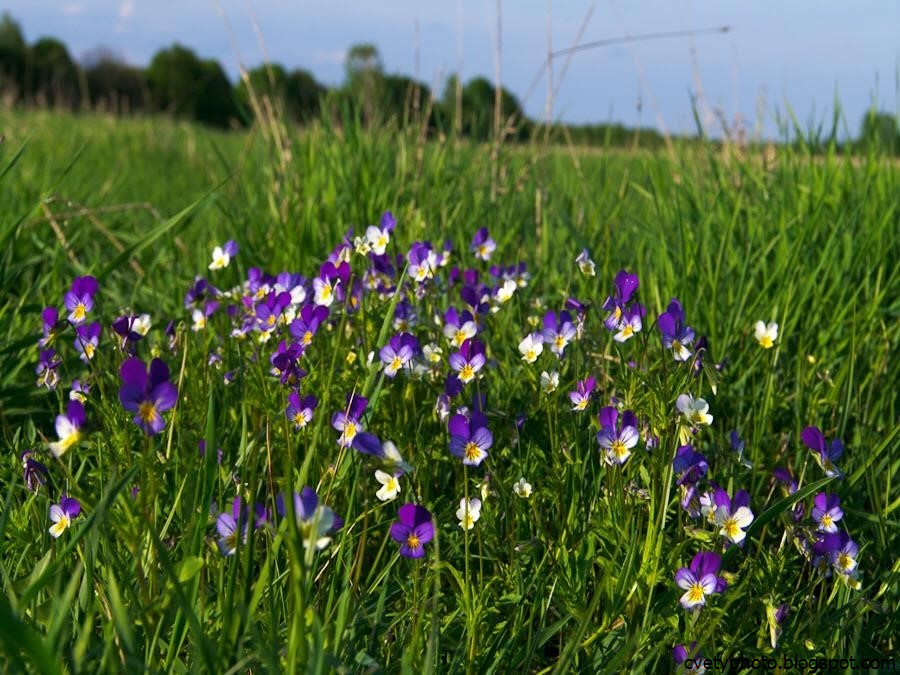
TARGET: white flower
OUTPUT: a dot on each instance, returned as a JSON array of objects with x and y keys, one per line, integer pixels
[
  {"x": 733, "y": 524},
  {"x": 506, "y": 291},
  {"x": 531, "y": 347},
  {"x": 766, "y": 335},
  {"x": 199, "y": 320},
  {"x": 522, "y": 488},
  {"x": 585, "y": 264},
  {"x": 549, "y": 381},
  {"x": 468, "y": 512},
  {"x": 696, "y": 411},
  {"x": 390, "y": 486},
  {"x": 377, "y": 239},
  {"x": 220, "y": 258},
  {"x": 141, "y": 324}
]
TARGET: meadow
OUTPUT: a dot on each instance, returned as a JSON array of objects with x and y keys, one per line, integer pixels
[{"x": 349, "y": 400}]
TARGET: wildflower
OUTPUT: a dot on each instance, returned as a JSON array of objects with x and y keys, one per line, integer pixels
[
  {"x": 470, "y": 438},
  {"x": 231, "y": 526},
  {"x": 413, "y": 530},
  {"x": 522, "y": 488},
  {"x": 147, "y": 394},
  {"x": 317, "y": 522},
  {"x": 47, "y": 369},
  {"x": 422, "y": 260},
  {"x": 349, "y": 423},
  {"x": 505, "y": 291},
  {"x": 325, "y": 286},
  {"x": 558, "y": 331},
  {"x": 482, "y": 244},
  {"x": 304, "y": 327},
  {"x": 62, "y": 514},
  {"x": 300, "y": 410},
  {"x": 580, "y": 398},
  {"x": 34, "y": 473},
  {"x": 626, "y": 284},
  {"x": 531, "y": 347},
  {"x": 675, "y": 335},
  {"x": 378, "y": 238},
  {"x": 835, "y": 549},
  {"x": 688, "y": 660},
  {"x": 737, "y": 444},
  {"x": 700, "y": 579},
  {"x": 131, "y": 328},
  {"x": 733, "y": 516},
  {"x": 458, "y": 327},
  {"x": 585, "y": 264},
  {"x": 790, "y": 486},
  {"x": 630, "y": 322},
  {"x": 696, "y": 411},
  {"x": 826, "y": 455},
  {"x": 690, "y": 465},
  {"x": 80, "y": 300},
  {"x": 390, "y": 486},
  {"x": 87, "y": 337},
  {"x": 285, "y": 362},
  {"x": 617, "y": 436},
  {"x": 766, "y": 334},
  {"x": 469, "y": 360},
  {"x": 68, "y": 428},
  {"x": 222, "y": 255},
  {"x": 468, "y": 512},
  {"x": 200, "y": 316},
  {"x": 549, "y": 381},
  {"x": 398, "y": 353},
  {"x": 51, "y": 326},
  {"x": 826, "y": 512}
]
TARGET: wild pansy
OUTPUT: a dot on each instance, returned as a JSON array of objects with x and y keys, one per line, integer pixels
[
  {"x": 131, "y": 328},
  {"x": 398, "y": 353},
  {"x": 826, "y": 454},
  {"x": 47, "y": 369},
  {"x": 147, "y": 393},
  {"x": 618, "y": 434},
  {"x": 68, "y": 428},
  {"x": 413, "y": 529},
  {"x": 584, "y": 389},
  {"x": 61, "y": 515},
  {"x": 349, "y": 423},
  {"x": 837, "y": 550},
  {"x": 377, "y": 238},
  {"x": 34, "y": 473},
  {"x": 390, "y": 485},
  {"x": 80, "y": 299},
  {"x": 689, "y": 465},
  {"x": 504, "y": 293},
  {"x": 630, "y": 323},
  {"x": 700, "y": 579},
  {"x": 790, "y": 486},
  {"x": 585, "y": 264},
  {"x": 285, "y": 362},
  {"x": 222, "y": 255},
  {"x": 422, "y": 261},
  {"x": 470, "y": 438},
  {"x": 51, "y": 326},
  {"x": 688, "y": 660},
  {"x": 468, "y": 513},
  {"x": 459, "y": 327},
  {"x": 405, "y": 316},
  {"x": 200, "y": 316},
  {"x": 304, "y": 327},
  {"x": 232, "y": 526},
  {"x": 675, "y": 334},
  {"x": 549, "y": 381},
  {"x": 327, "y": 286},
  {"x": 469, "y": 360},
  {"x": 482, "y": 244},
  {"x": 87, "y": 337},
  {"x": 317, "y": 522},
  {"x": 522, "y": 488},
  {"x": 300, "y": 409},
  {"x": 766, "y": 334},
  {"x": 531, "y": 347},
  {"x": 733, "y": 516},
  {"x": 826, "y": 512},
  {"x": 270, "y": 310},
  {"x": 695, "y": 410},
  {"x": 558, "y": 331},
  {"x": 626, "y": 284}
]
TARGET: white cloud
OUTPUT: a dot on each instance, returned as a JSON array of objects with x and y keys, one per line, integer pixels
[{"x": 73, "y": 9}]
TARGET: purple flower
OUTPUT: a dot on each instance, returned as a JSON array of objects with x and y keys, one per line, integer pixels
[
  {"x": 317, "y": 522},
  {"x": 783, "y": 476},
  {"x": 700, "y": 579},
  {"x": 675, "y": 335},
  {"x": 80, "y": 300},
  {"x": 62, "y": 514},
  {"x": 87, "y": 337},
  {"x": 630, "y": 322},
  {"x": 835, "y": 549},
  {"x": 826, "y": 455},
  {"x": 285, "y": 363},
  {"x": 482, "y": 244},
  {"x": 617, "y": 435},
  {"x": 47, "y": 369},
  {"x": 51, "y": 326},
  {"x": 413, "y": 530},
  {"x": 826, "y": 512},
  {"x": 422, "y": 261},
  {"x": 687, "y": 660},
  {"x": 690, "y": 465},
  {"x": 732, "y": 515},
  {"x": 349, "y": 423},
  {"x": 300, "y": 410},
  {"x": 34, "y": 473},
  {"x": 398, "y": 353},
  {"x": 558, "y": 331},
  {"x": 68, "y": 428},
  {"x": 470, "y": 438},
  {"x": 459, "y": 327},
  {"x": 582, "y": 394},
  {"x": 626, "y": 284},
  {"x": 147, "y": 394},
  {"x": 469, "y": 360},
  {"x": 305, "y": 326},
  {"x": 131, "y": 329},
  {"x": 231, "y": 527}
]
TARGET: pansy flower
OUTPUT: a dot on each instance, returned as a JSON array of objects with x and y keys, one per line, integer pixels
[
  {"x": 232, "y": 526},
  {"x": 286, "y": 363},
  {"x": 626, "y": 284},
  {"x": 87, "y": 337},
  {"x": 68, "y": 428},
  {"x": 422, "y": 261},
  {"x": 469, "y": 360},
  {"x": 549, "y": 381},
  {"x": 618, "y": 434},
  {"x": 675, "y": 334},
  {"x": 349, "y": 423},
  {"x": 390, "y": 485},
  {"x": 733, "y": 516},
  {"x": 826, "y": 454},
  {"x": 470, "y": 438},
  {"x": 34, "y": 473},
  {"x": 51, "y": 326},
  {"x": 689, "y": 465},
  {"x": 630, "y": 322},
  {"x": 837, "y": 550},
  {"x": 80, "y": 299},
  {"x": 147, "y": 394},
  {"x": 700, "y": 579},
  {"x": 304, "y": 327},
  {"x": 522, "y": 488},
  {"x": 379, "y": 237},
  {"x": 459, "y": 327},
  {"x": 413, "y": 529},
  {"x": 222, "y": 255},
  {"x": 482, "y": 244},
  {"x": 695, "y": 410},
  {"x": 317, "y": 522},
  {"x": 826, "y": 512},
  {"x": 47, "y": 369},
  {"x": 531, "y": 347},
  {"x": 398, "y": 353},
  {"x": 558, "y": 331},
  {"x": 468, "y": 513},
  {"x": 766, "y": 334},
  {"x": 688, "y": 660},
  {"x": 131, "y": 328},
  {"x": 584, "y": 389},
  {"x": 61, "y": 515},
  {"x": 300, "y": 409},
  {"x": 585, "y": 264}
]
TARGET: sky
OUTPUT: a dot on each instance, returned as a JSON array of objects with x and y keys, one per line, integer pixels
[{"x": 780, "y": 59}]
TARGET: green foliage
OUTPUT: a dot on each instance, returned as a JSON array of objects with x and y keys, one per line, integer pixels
[{"x": 880, "y": 132}]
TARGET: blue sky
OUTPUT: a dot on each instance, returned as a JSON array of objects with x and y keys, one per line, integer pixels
[{"x": 778, "y": 56}]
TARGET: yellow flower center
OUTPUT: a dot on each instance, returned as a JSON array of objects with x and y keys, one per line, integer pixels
[
  {"x": 412, "y": 541},
  {"x": 695, "y": 594},
  {"x": 466, "y": 373},
  {"x": 766, "y": 342},
  {"x": 79, "y": 312},
  {"x": 619, "y": 450},
  {"x": 147, "y": 412},
  {"x": 472, "y": 451},
  {"x": 731, "y": 528},
  {"x": 827, "y": 521}
]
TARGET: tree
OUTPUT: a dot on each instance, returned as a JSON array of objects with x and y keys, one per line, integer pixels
[
  {"x": 478, "y": 102},
  {"x": 13, "y": 58},
  {"x": 53, "y": 75},
  {"x": 112, "y": 84},
  {"x": 303, "y": 95},
  {"x": 365, "y": 80},
  {"x": 880, "y": 131}
]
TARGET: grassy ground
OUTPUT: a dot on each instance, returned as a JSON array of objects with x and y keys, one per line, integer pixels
[{"x": 579, "y": 576}]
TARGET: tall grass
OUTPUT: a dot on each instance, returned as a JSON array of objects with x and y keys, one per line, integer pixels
[{"x": 579, "y": 577}]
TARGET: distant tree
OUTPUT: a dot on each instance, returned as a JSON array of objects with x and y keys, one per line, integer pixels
[
  {"x": 13, "y": 58},
  {"x": 297, "y": 93},
  {"x": 112, "y": 84},
  {"x": 880, "y": 131},
  {"x": 265, "y": 81},
  {"x": 365, "y": 80},
  {"x": 183, "y": 85},
  {"x": 477, "y": 109},
  {"x": 53, "y": 75},
  {"x": 405, "y": 100},
  {"x": 303, "y": 95}
]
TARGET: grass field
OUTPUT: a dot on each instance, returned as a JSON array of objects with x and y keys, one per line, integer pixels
[{"x": 632, "y": 537}]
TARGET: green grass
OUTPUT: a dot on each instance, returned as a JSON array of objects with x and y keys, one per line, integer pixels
[{"x": 577, "y": 578}]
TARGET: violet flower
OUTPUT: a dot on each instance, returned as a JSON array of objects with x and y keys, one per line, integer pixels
[
  {"x": 469, "y": 360},
  {"x": 147, "y": 394},
  {"x": 80, "y": 300},
  {"x": 470, "y": 438},
  {"x": 826, "y": 512},
  {"x": 617, "y": 435},
  {"x": 413, "y": 529},
  {"x": 826, "y": 455},
  {"x": 68, "y": 428},
  {"x": 300, "y": 410},
  {"x": 34, "y": 473},
  {"x": 675, "y": 334},
  {"x": 62, "y": 514},
  {"x": 700, "y": 579},
  {"x": 584, "y": 389}
]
